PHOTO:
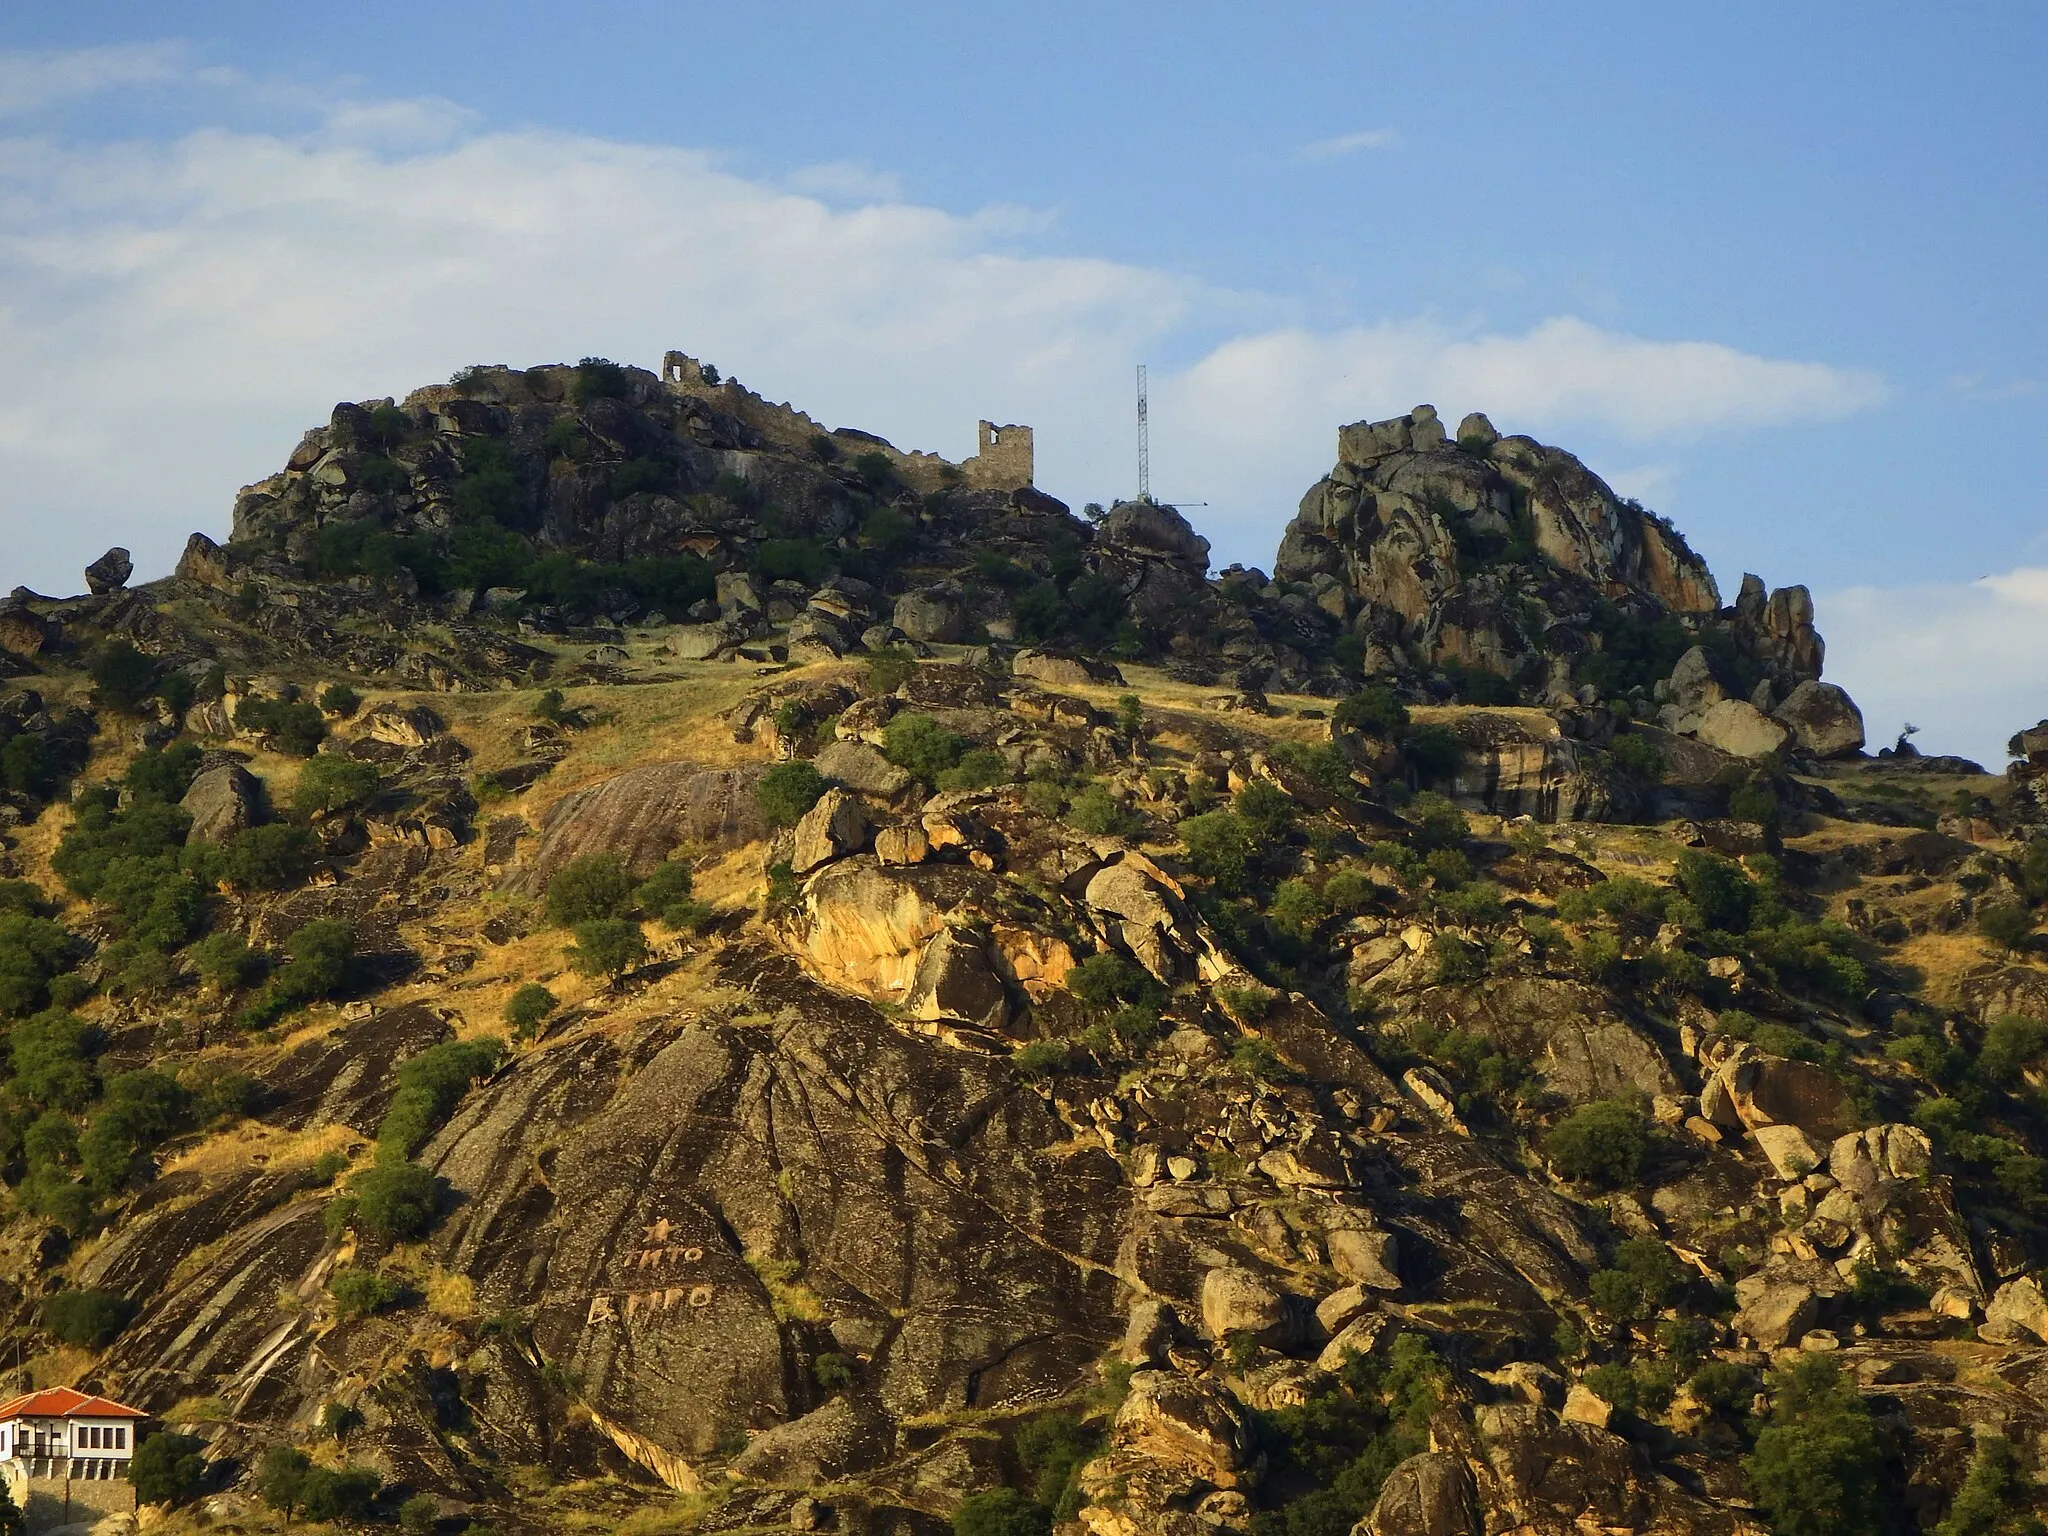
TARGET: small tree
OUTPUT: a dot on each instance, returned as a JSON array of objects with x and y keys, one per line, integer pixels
[
  {"x": 2006, "y": 924},
  {"x": 362, "y": 1292},
  {"x": 598, "y": 885},
  {"x": 340, "y": 699},
  {"x": 329, "y": 783},
  {"x": 87, "y": 1318},
  {"x": 396, "y": 1200},
  {"x": 1817, "y": 1469},
  {"x": 167, "y": 1469},
  {"x": 419, "y": 1514},
  {"x": 281, "y": 1478},
  {"x": 922, "y": 745},
  {"x": 121, "y": 675},
  {"x": 1001, "y": 1512},
  {"x": 1602, "y": 1143},
  {"x": 607, "y": 947},
  {"x": 528, "y": 1008}
]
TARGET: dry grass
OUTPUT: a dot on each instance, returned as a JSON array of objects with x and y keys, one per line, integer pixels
[{"x": 251, "y": 1144}]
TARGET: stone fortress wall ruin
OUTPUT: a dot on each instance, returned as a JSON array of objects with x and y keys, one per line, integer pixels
[{"x": 1005, "y": 460}]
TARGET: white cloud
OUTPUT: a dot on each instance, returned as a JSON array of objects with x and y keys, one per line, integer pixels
[
  {"x": 1348, "y": 144},
  {"x": 848, "y": 181},
  {"x": 1968, "y": 661},
  {"x": 176, "y": 312},
  {"x": 32, "y": 82}
]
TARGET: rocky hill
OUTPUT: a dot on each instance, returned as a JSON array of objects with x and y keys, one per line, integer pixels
[{"x": 614, "y": 960}]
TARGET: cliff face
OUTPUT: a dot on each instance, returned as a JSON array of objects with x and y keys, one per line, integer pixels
[{"x": 1221, "y": 1110}]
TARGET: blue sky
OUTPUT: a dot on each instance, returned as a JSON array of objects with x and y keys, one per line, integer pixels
[{"x": 1773, "y": 269}]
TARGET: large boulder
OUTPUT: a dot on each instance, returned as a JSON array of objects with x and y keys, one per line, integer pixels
[
  {"x": 955, "y": 980},
  {"x": 1237, "y": 1301},
  {"x": 222, "y": 800},
  {"x": 23, "y": 632},
  {"x": 861, "y": 768},
  {"x": 1823, "y": 719},
  {"x": 830, "y": 829},
  {"x": 1192, "y": 1424},
  {"x": 843, "y": 1436},
  {"x": 1064, "y": 671},
  {"x": 1738, "y": 727},
  {"x": 644, "y": 815},
  {"x": 936, "y": 614},
  {"x": 1692, "y": 690},
  {"x": 1774, "y": 1311},
  {"x": 2019, "y": 1310},
  {"x": 1427, "y": 1495},
  {"x": 109, "y": 573}
]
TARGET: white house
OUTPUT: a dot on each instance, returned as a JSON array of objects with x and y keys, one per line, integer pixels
[{"x": 64, "y": 1433}]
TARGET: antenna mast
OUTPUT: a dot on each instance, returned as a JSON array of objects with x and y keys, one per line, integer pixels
[{"x": 1144, "y": 441}]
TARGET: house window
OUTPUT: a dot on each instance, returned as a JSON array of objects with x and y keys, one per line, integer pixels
[{"x": 120, "y": 1437}]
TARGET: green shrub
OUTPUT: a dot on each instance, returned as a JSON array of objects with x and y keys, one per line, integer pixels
[
  {"x": 139, "y": 1110},
  {"x": 889, "y": 668},
  {"x": 1247, "y": 1002},
  {"x": 1997, "y": 1498},
  {"x": 1323, "y": 765},
  {"x": 638, "y": 475},
  {"x": 1643, "y": 1278},
  {"x": 1098, "y": 813},
  {"x": 1756, "y": 800},
  {"x": 1220, "y": 847},
  {"x": 1105, "y": 979},
  {"x": 121, "y": 675},
  {"x": 1001, "y": 1512},
  {"x": 168, "y": 1468},
  {"x": 1438, "y": 822},
  {"x": 296, "y": 729},
  {"x": 1264, "y": 807},
  {"x": 225, "y": 961},
  {"x": 52, "y": 1065},
  {"x": 1602, "y": 1143},
  {"x": 787, "y": 791},
  {"x": 87, "y": 1318},
  {"x": 320, "y": 954},
  {"x": 1456, "y": 961},
  {"x": 274, "y": 857},
  {"x": 1477, "y": 903},
  {"x": 419, "y": 1514},
  {"x": 598, "y": 378},
  {"x": 978, "y": 768},
  {"x": 395, "y": 1200},
  {"x": 528, "y": 1008},
  {"x": 607, "y": 947},
  {"x": 596, "y": 887},
  {"x": 281, "y": 1478},
  {"x": 1375, "y": 711},
  {"x": 1817, "y": 1468},
  {"x": 2006, "y": 924},
  {"x": 343, "y": 1495},
  {"x": 1724, "y": 895},
  {"x": 1638, "y": 756},
  {"x": 2009, "y": 1044},
  {"x": 34, "y": 951},
  {"x": 1042, "y": 1058},
  {"x": 362, "y": 1292},
  {"x": 1297, "y": 907},
  {"x": 920, "y": 744},
  {"x": 1255, "y": 1058},
  {"x": 340, "y": 699},
  {"x": 430, "y": 1085},
  {"x": 1723, "y": 1386},
  {"x": 1348, "y": 891},
  {"x": 1448, "y": 868},
  {"x": 164, "y": 774},
  {"x": 330, "y": 783}
]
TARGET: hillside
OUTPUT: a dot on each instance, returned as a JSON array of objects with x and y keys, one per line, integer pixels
[{"x": 622, "y": 961}]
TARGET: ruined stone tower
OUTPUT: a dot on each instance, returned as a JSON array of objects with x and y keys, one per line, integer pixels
[{"x": 1005, "y": 459}]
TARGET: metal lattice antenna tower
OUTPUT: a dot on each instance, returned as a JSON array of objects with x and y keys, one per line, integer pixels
[{"x": 1144, "y": 441}]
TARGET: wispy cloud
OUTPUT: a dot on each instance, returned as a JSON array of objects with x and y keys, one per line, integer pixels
[
  {"x": 1348, "y": 144},
  {"x": 34, "y": 82},
  {"x": 1980, "y": 386}
]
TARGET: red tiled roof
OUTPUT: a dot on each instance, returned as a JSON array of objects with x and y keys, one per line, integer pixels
[{"x": 66, "y": 1403}]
